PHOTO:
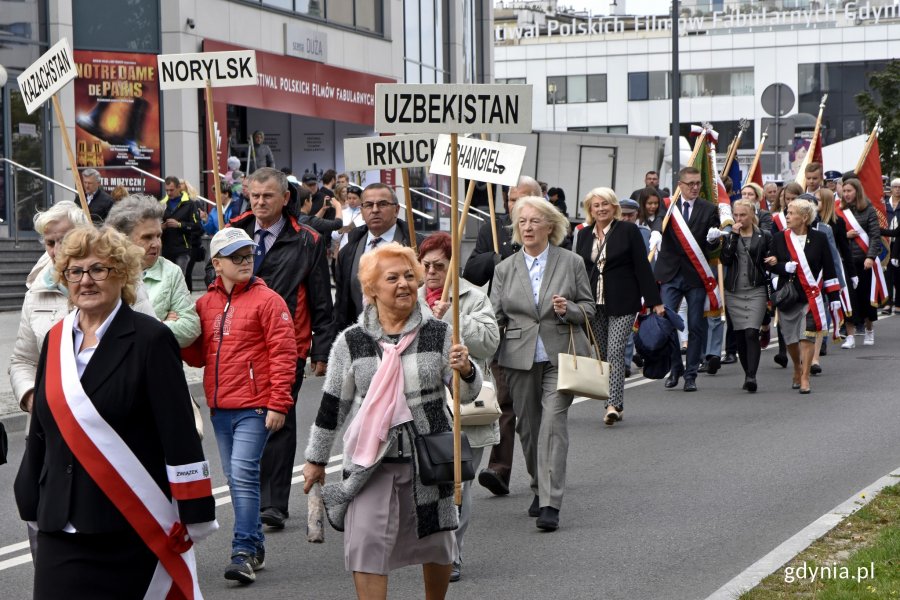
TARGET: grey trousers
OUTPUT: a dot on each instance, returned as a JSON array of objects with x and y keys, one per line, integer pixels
[
  {"x": 465, "y": 510},
  {"x": 542, "y": 423}
]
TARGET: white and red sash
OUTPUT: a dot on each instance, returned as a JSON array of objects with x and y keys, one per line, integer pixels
[
  {"x": 809, "y": 282},
  {"x": 117, "y": 471},
  {"x": 878, "y": 290},
  {"x": 779, "y": 219},
  {"x": 698, "y": 260}
]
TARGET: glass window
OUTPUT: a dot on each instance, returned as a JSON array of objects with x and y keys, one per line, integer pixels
[
  {"x": 27, "y": 148},
  {"x": 576, "y": 88},
  {"x": 340, "y": 12},
  {"x": 282, "y": 4},
  {"x": 638, "y": 86},
  {"x": 312, "y": 8},
  {"x": 370, "y": 15},
  {"x": 717, "y": 83},
  {"x": 411, "y": 30},
  {"x": 659, "y": 85},
  {"x": 596, "y": 88},
  {"x": 426, "y": 31},
  {"x": 124, "y": 25},
  {"x": 556, "y": 90}
]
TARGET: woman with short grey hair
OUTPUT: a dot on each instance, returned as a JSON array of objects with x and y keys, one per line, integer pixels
[{"x": 140, "y": 218}]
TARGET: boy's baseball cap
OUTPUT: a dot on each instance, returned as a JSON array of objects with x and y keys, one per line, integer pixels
[{"x": 228, "y": 240}]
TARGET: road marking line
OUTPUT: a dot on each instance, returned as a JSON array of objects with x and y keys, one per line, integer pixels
[
  {"x": 781, "y": 555},
  {"x": 14, "y": 562},
  {"x": 13, "y": 547}
]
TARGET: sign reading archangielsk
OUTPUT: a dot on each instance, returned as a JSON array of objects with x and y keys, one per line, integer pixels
[
  {"x": 221, "y": 69},
  {"x": 452, "y": 108},
  {"x": 47, "y": 75},
  {"x": 480, "y": 160},
  {"x": 388, "y": 152}
]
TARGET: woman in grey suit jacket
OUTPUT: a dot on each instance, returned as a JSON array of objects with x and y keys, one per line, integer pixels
[{"x": 537, "y": 294}]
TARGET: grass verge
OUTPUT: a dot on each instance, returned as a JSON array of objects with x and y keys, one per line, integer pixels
[{"x": 857, "y": 560}]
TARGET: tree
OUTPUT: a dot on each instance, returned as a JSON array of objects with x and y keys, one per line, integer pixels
[{"x": 883, "y": 101}]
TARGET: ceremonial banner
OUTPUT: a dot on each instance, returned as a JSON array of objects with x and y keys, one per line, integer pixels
[{"x": 870, "y": 177}]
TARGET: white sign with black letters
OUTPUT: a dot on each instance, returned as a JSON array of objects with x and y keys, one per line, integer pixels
[
  {"x": 452, "y": 108},
  {"x": 221, "y": 69},
  {"x": 480, "y": 160},
  {"x": 47, "y": 75},
  {"x": 388, "y": 152},
  {"x": 305, "y": 42}
]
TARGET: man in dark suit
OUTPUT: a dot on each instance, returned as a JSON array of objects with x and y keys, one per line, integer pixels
[
  {"x": 380, "y": 209},
  {"x": 680, "y": 279},
  {"x": 99, "y": 202},
  {"x": 651, "y": 179}
]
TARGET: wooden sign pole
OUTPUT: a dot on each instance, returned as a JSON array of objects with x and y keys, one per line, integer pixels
[
  {"x": 404, "y": 173},
  {"x": 454, "y": 269},
  {"x": 210, "y": 127},
  {"x": 68, "y": 146}
]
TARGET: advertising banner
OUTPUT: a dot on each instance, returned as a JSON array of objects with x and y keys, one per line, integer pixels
[{"x": 117, "y": 112}]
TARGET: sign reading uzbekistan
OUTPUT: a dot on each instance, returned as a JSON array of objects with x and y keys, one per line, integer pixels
[
  {"x": 417, "y": 108},
  {"x": 388, "y": 152},
  {"x": 46, "y": 76},
  {"x": 480, "y": 160},
  {"x": 221, "y": 69}
]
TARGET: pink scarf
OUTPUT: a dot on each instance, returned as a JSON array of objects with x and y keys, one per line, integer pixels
[
  {"x": 432, "y": 296},
  {"x": 382, "y": 408}
]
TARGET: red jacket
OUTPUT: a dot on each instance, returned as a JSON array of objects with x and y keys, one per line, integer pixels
[{"x": 250, "y": 356}]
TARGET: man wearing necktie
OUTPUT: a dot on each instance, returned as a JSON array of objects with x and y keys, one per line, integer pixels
[
  {"x": 290, "y": 259},
  {"x": 679, "y": 278},
  {"x": 380, "y": 209}
]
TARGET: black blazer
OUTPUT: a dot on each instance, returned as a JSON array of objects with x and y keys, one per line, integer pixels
[
  {"x": 626, "y": 275},
  {"x": 672, "y": 257},
  {"x": 99, "y": 206},
  {"x": 818, "y": 255},
  {"x": 479, "y": 268},
  {"x": 760, "y": 247},
  {"x": 136, "y": 381}
]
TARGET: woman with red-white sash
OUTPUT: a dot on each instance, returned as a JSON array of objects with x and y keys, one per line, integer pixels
[
  {"x": 802, "y": 258},
  {"x": 113, "y": 477},
  {"x": 864, "y": 233}
]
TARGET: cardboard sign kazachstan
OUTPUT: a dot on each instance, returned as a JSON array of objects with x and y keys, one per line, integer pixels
[
  {"x": 47, "y": 75},
  {"x": 388, "y": 152},
  {"x": 455, "y": 108},
  {"x": 221, "y": 69},
  {"x": 479, "y": 160}
]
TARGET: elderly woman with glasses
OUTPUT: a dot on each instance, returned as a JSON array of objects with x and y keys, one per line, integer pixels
[
  {"x": 113, "y": 476},
  {"x": 541, "y": 297}
]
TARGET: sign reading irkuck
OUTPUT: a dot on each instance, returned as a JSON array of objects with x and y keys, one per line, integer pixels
[
  {"x": 53, "y": 70},
  {"x": 492, "y": 162},
  {"x": 416, "y": 108},
  {"x": 388, "y": 152},
  {"x": 221, "y": 69}
]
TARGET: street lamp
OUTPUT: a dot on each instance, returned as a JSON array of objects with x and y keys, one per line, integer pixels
[{"x": 552, "y": 89}]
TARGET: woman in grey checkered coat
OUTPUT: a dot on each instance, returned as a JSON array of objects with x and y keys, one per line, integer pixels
[{"x": 386, "y": 379}]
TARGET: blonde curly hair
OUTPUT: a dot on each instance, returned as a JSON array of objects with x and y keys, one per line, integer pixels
[{"x": 105, "y": 244}]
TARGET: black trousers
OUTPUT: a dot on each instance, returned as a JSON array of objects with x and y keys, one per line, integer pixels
[{"x": 277, "y": 465}]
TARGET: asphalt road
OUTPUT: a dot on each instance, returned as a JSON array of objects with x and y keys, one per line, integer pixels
[{"x": 675, "y": 501}]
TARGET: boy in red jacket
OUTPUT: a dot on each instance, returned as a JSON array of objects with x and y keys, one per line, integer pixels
[{"x": 249, "y": 353}]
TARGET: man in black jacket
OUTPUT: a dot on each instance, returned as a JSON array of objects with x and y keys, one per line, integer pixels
[
  {"x": 480, "y": 270},
  {"x": 680, "y": 279},
  {"x": 380, "y": 209},
  {"x": 181, "y": 223},
  {"x": 290, "y": 258},
  {"x": 99, "y": 202}
]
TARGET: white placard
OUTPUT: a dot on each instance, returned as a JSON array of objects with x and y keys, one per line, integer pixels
[
  {"x": 454, "y": 108},
  {"x": 305, "y": 42},
  {"x": 492, "y": 162},
  {"x": 388, "y": 152},
  {"x": 47, "y": 75},
  {"x": 222, "y": 69}
]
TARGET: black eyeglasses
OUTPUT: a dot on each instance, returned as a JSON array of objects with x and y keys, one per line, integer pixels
[
  {"x": 95, "y": 272},
  {"x": 381, "y": 205},
  {"x": 240, "y": 259}
]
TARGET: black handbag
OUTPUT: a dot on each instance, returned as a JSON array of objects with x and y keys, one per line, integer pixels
[
  {"x": 786, "y": 296},
  {"x": 434, "y": 457}
]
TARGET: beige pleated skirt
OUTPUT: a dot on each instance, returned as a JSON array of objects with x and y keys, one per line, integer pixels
[{"x": 380, "y": 526}]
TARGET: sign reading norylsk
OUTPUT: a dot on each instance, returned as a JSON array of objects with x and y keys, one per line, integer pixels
[
  {"x": 221, "y": 69},
  {"x": 480, "y": 160},
  {"x": 417, "y": 108},
  {"x": 47, "y": 75},
  {"x": 388, "y": 152}
]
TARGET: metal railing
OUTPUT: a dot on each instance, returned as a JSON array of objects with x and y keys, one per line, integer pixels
[
  {"x": 150, "y": 175},
  {"x": 15, "y": 196},
  {"x": 447, "y": 196},
  {"x": 433, "y": 199}
]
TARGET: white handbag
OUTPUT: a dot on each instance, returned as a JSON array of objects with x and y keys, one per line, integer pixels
[
  {"x": 483, "y": 411},
  {"x": 583, "y": 375}
]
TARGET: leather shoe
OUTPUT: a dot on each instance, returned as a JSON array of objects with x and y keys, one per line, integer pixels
[
  {"x": 454, "y": 573},
  {"x": 703, "y": 367},
  {"x": 713, "y": 365},
  {"x": 815, "y": 369},
  {"x": 273, "y": 517},
  {"x": 638, "y": 360},
  {"x": 690, "y": 385},
  {"x": 535, "y": 509},
  {"x": 750, "y": 384},
  {"x": 493, "y": 482},
  {"x": 549, "y": 519},
  {"x": 672, "y": 380},
  {"x": 729, "y": 359},
  {"x": 781, "y": 359}
]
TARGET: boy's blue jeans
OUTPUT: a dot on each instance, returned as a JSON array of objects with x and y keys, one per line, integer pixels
[{"x": 241, "y": 436}]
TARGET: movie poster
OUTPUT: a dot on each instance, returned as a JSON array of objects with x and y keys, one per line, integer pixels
[{"x": 117, "y": 119}]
